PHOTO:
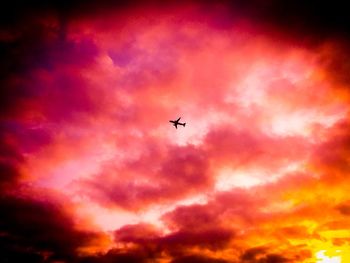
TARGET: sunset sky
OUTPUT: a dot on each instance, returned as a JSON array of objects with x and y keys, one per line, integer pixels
[{"x": 91, "y": 170}]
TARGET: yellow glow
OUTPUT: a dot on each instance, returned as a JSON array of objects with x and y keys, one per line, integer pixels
[
  {"x": 341, "y": 233},
  {"x": 323, "y": 256}
]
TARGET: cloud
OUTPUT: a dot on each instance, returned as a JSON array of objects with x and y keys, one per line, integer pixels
[
  {"x": 9, "y": 175},
  {"x": 331, "y": 155},
  {"x": 252, "y": 253},
  {"x": 176, "y": 168},
  {"x": 197, "y": 259},
  {"x": 193, "y": 217},
  {"x": 176, "y": 245},
  {"x": 260, "y": 254},
  {"x": 244, "y": 148},
  {"x": 259, "y": 173},
  {"x": 344, "y": 208},
  {"x": 211, "y": 238},
  {"x": 115, "y": 255},
  {"x": 136, "y": 233},
  {"x": 39, "y": 229}
]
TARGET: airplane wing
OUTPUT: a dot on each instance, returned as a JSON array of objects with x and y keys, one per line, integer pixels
[{"x": 178, "y": 119}]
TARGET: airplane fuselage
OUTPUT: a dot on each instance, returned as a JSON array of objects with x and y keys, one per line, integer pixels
[{"x": 175, "y": 123}]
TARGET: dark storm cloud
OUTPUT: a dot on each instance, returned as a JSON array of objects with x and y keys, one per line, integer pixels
[
  {"x": 7, "y": 148},
  {"x": 137, "y": 255},
  {"x": 22, "y": 46},
  {"x": 273, "y": 258},
  {"x": 32, "y": 42},
  {"x": 35, "y": 229},
  {"x": 144, "y": 256},
  {"x": 260, "y": 255},
  {"x": 197, "y": 259},
  {"x": 252, "y": 253},
  {"x": 213, "y": 239},
  {"x": 31, "y": 230},
  {"x": 302, "y": 22},
  {"x": 309, "y": 18},
  {"x": 305, "y": 22},
  {"x": 27, "y": 139},
  {"x": 8, "y": 174},
  {"x": 177, "y": 244},
  {"x": 10, "y": 157}
]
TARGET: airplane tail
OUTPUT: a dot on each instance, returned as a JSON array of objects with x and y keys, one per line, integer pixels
[{"x": 184, "y": 124}]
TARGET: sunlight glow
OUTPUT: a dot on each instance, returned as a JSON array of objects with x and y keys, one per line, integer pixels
[
  {"x": 323, "y": 258},
  {"x": 229, "y": 179}
]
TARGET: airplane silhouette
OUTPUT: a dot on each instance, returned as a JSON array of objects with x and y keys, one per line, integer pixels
[{"x": 175, "y": 123}]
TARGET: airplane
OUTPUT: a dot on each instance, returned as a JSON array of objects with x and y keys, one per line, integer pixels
[{"x": 175, "y": 123}]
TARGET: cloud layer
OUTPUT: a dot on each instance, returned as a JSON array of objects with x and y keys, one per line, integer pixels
[{"x": 92, "y": 171}]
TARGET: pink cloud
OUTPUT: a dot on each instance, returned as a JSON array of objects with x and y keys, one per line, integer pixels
[{"x": 259, "y": 173}]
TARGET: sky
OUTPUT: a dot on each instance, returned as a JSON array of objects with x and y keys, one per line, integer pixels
[{"x": 91, "y": 170}]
